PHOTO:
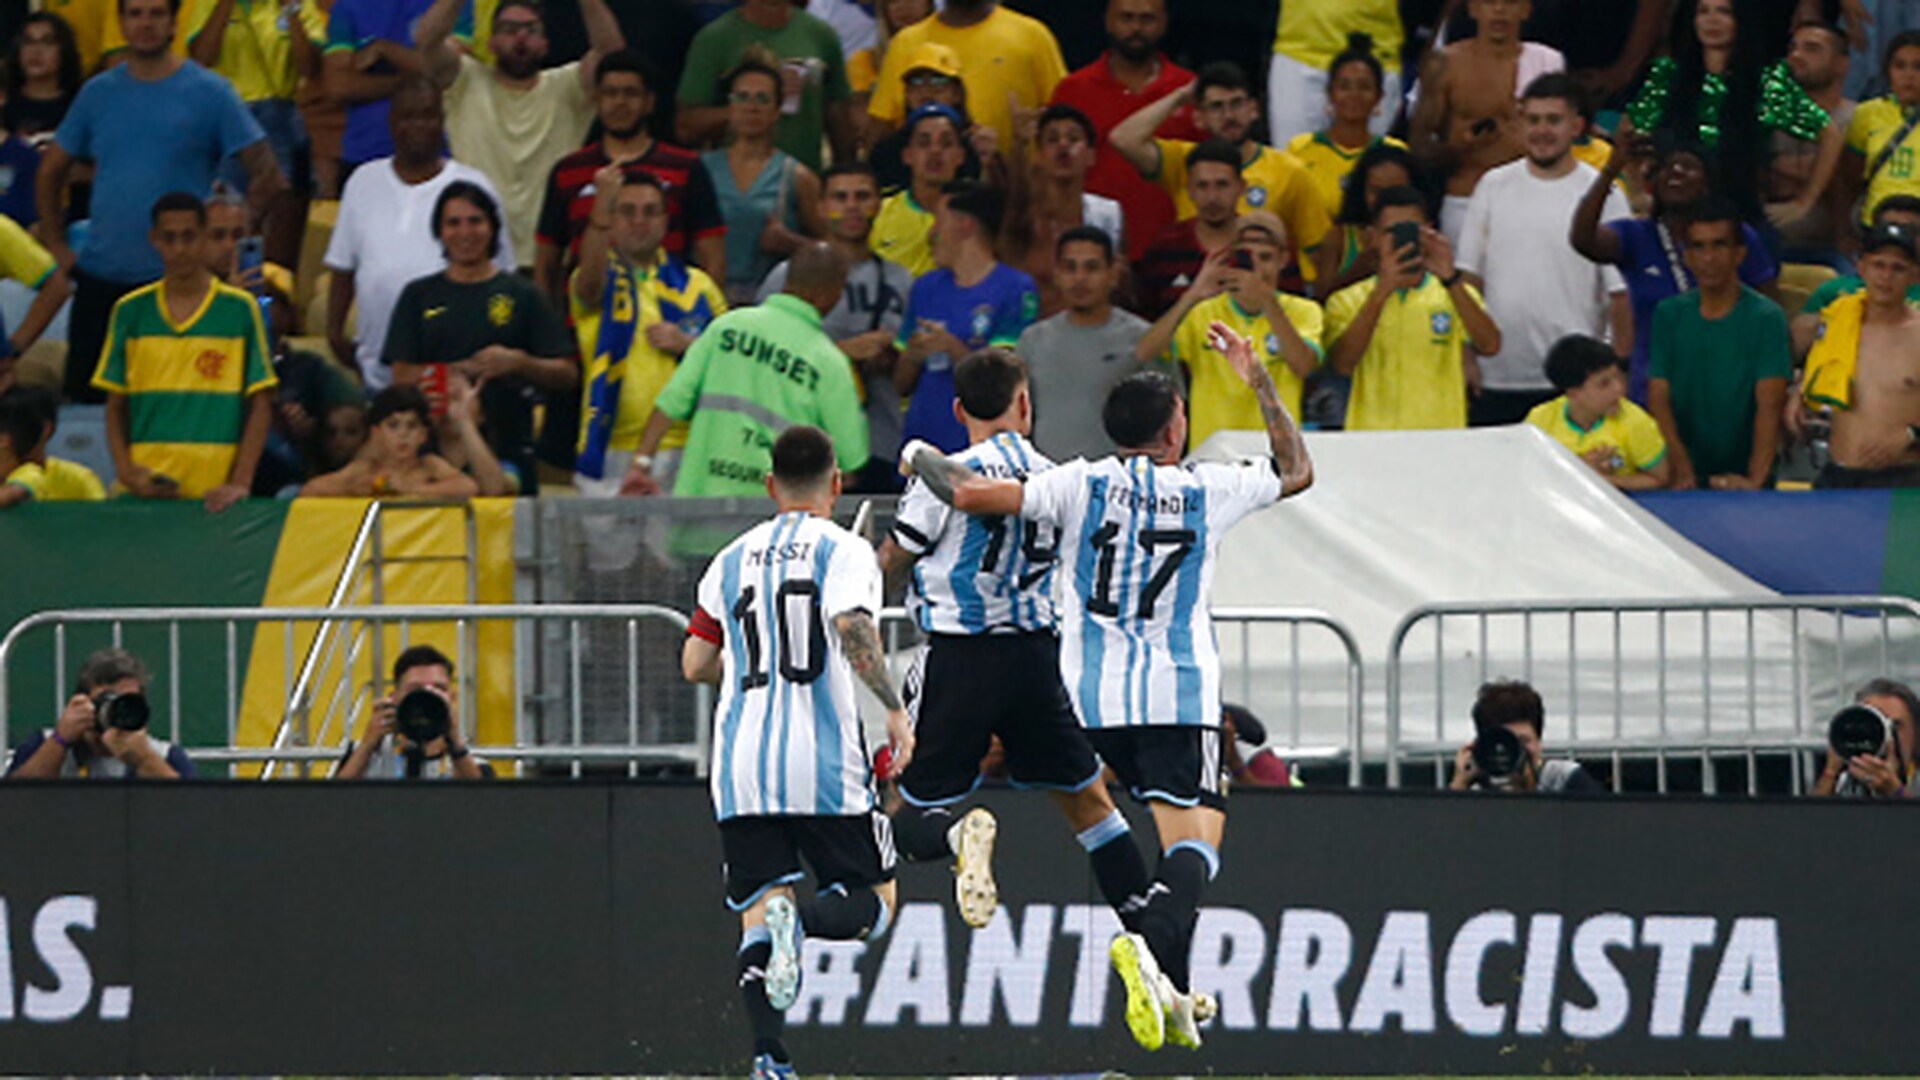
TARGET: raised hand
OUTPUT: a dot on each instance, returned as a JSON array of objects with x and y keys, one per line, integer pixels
[{"x": 1238, "y": 350}]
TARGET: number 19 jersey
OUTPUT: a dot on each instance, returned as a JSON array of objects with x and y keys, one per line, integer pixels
[
  {"x": 787, "y": 736},
  {"x": 979, "y": 575},
  {"x": 1137, "y": 550}
]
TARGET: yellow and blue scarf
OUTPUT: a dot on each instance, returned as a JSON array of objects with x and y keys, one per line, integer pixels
[{"x": 681, "y": 303}]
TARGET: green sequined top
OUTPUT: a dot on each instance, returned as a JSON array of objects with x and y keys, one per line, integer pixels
[{"x": 1784, "y": 104}]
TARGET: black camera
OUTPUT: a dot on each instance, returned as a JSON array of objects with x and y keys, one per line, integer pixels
[
  {"x": 121, "y": 712},
  {"x": 422, "y": 716},
  {"x": 1498, "y": 756},
  {"x": 1858, "y": 730}
]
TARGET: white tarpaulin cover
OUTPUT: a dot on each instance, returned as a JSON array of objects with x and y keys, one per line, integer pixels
[{"x": 1398, "y": 520}]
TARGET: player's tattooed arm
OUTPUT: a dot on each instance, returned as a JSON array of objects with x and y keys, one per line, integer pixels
[
  {"x": 895, "y": 562},
  {"x": 860, "y": 643},
  {"x": 1289, "y": 447},
  {"x": 940, "y": 474},
  {"x": 958, "y": 486}
]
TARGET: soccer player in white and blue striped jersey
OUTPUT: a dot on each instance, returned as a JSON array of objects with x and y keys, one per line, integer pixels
[
  {"x": 785, "y": 625},
  {"x": 982, "y": 592},
  {"x": 1141, "y": 535}
]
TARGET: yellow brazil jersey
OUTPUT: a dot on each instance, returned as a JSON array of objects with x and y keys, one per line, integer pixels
[
  {"x": 58, "y": 481},
  {"x": 901, "y": 233},
  {"x": 1328, "y": 164},
  {"x": 1875, "y": 123},
  {"x": 1630, "y": 432},
  {"x": 21, "y": 257},
  {"x": 1313, "y": 32},
  {"x": 863, "y": 70},
  {"x": 1413, "y": 374},
  {"x": 482, "y": 44},
  {"x": 186, "y": 383},
  {"x": 256, "y": 53},
  {"x": 1012, "y": 61},
  {"x": 1593, "y": 150},
  {"x": 1276, "y": 182},
  {"x": 1217, "y": 399},
  {"x": 648, "y": 368}
]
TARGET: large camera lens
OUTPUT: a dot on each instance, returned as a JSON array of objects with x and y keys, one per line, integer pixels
[
  {"x": 121, "y": 712},
  {"x": 1857, "y": 730},
  {"x": 422, "y": 716},
  {"x": 1497, "y": 753}
]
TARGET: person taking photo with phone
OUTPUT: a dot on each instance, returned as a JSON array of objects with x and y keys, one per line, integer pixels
[
  {"x": 1404, "y": 333},
  {"x": 1239, "y": 286}
]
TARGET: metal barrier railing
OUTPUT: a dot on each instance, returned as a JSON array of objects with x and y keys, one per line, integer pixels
[
  {"x": 294, "y": 743},
  {"x": 1285, "y": 702},
  {"x": 1765, "y": 688},
  {"x": 363, "y": 579},
  {"x": 1670, "y": 680},
  {"x": 1293, "y": 703}
]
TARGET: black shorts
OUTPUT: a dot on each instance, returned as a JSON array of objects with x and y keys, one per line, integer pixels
[
  {"x": 764, "y": 850},
  {"x": 963, "y": 690},
  {"x": 1840, "y": 478},
  {"x": 1177, "y": 765}
]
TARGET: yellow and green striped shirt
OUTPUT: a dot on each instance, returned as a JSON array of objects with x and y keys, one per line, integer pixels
[{"x": 186, "y": 384}]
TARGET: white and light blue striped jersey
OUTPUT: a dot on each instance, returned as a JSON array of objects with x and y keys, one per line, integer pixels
[
  {"x": 787, "y": 736},
  {"x": 979, "y": 575},
  {"x": 1138, "y": 547}
]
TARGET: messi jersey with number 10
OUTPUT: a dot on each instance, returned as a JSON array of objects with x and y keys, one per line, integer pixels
[
  {"x": 1138, "y": 546},
  {"x": 787, "y": 735}
]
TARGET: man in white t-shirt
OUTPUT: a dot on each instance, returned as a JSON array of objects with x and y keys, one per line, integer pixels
[
  {"x": 1514, "y": 246},
  {"x": 514, "y": 121},
  {"x": 384, "y": 237}
]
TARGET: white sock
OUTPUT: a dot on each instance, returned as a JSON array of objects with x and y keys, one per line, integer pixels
[{"x": 953, "y": 835}]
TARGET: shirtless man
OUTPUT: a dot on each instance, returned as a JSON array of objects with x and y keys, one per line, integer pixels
[
  {"x": 1817, "y": 59},
  {"x": 1467, "y": 120},
  {"x": 395, "y": 460},
  {"x": 1876, "y": 433}
]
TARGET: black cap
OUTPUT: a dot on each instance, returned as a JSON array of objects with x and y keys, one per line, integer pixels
[{"x": 1895, "y": 236}]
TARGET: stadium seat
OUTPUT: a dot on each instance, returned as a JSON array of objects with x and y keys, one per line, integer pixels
[
  {"x": 81, "y": 436},
  {"x": 1801, "y": 280}
]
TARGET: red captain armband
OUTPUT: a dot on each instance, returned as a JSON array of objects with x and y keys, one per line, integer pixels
[{"x": 704, "y": 627}]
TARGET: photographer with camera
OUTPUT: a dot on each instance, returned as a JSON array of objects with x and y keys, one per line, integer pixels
[
  {"x": 1870, "y": 744},
  {"x": 412, "y": 733},
  {"x": 1507, "y": 753},
  {"x": 102, "y": 733}
]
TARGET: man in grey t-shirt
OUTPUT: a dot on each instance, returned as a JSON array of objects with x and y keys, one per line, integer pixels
[
  {"x": 867, "y": 317},
  {"x": 1075, "y": 357}
]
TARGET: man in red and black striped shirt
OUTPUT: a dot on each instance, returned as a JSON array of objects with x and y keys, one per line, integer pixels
[
  {"x": 1175, "y": 257},
  {"x": 623, "y": 91}
]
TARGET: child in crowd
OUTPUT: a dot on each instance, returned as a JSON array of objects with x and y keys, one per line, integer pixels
[{"x": 396, "y": 460}]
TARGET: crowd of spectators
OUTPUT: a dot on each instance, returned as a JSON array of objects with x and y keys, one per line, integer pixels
[{"x": 249, "y": 218}]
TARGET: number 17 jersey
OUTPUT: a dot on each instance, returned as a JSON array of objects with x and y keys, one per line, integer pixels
[
  {"x": 787, "y": 735},
  {"x": 1138, "y": 544}
]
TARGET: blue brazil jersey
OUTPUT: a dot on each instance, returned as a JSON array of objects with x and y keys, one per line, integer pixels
[{"x": 995, "y": 311}]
